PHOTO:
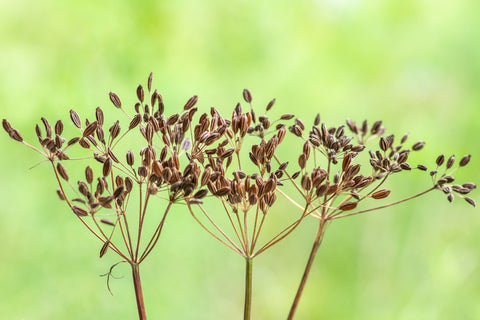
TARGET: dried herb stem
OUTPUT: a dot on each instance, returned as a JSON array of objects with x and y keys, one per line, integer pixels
[{"x": 248, "y": 288}]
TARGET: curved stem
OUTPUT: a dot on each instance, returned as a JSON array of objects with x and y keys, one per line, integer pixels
[
  {"x": 138, "y": 291},
  {"x": 316, "y": 245},
  {"x": 247, "y": 310}
]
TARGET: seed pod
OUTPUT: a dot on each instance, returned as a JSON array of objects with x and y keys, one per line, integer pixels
[
  {"x": 140, "y": 93},
  {"x": 471, "y": 201},
  {"x": 79, "y": 211},
  {"x": 157, "y": 168},
  {"x": 418, "y": 146},
  {"x": 75, "y": 118},
  {"x": 287, "y": 116},
  {"x": 465, "y": 160},
  {"x": 104, "y": 248},
  {"x": 469, "y": 185},
  {"x": 450, "y": 161},
  {"x": 194, "y": 201},
  {"x": 247, "y": 95},
  {"x": 6, "y": 125},
  {"x": 302, "y": 161},
  {"x": 15, "y": 135},
  {"x": 89, "y": 174},
  {"x": 381, "y": 194},
  {"x": 135, "y": 121},
  {"x": 107, "y": 167},
  {"x": 350, "y": 205},
  {"x": 90, "y": 129},
  {"x": 190, "y": 103},
  {"x": 107, "y": 221},
  {"x": 118, "y": 192},
  {"x": 316, "y": 122},
  {"x": 383, "y": 144},
  {"x": 60, "y": 194},
  {"x": 200, "y": 194},
  {"x": 59, "y": 127},
  {"x": 422, "y": 167},
  {"x": 130, "y": 158},
  {"x": 62, "y": 171},
  {"x": 115, "y": 99},
  {"x": 270, "y": 104},
  {"x": 149, "y": 82},
  {"x": 222, "y": 191},
  {"x": 450, "y": 197},
  {"x": 128, "y": 184}
]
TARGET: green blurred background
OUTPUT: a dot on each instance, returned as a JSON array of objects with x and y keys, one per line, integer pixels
[{"x": 413, "y": 64}]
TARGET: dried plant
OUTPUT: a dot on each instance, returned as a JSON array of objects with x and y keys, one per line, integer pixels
[{"x": 231, "y": 162}]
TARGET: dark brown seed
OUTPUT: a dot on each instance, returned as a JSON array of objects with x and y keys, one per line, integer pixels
[
  {"x": 128, "y": 184},
  {"x": 471, "y": 201},
  {"x": 149, "y": 82},
  {"x": 450, "y": 161},
  {"x": 118, "y": 192},
  {"x": 381, "y": 194},
  {"x": 469, "y": 185},
  {"x": 104, "y": 248},
  {"x": 350, "y": 205},
  {"x": 62, "y": 171},
  {"x": 270, "y": 104},
  {"x": 190, "y": 103},
  {"x": 75, "y": 119},
  {"x": 79, "y": 211},
  {"x": 140, "y": 93},
  {"x": 302, "y": 161},
  {"x": 194, "y": 201},
  {"x": 418, "y": 146},
  {"x": 89, "y": 174},
  {"x": 90, "y": 129},
  {"x": 15, "y": 135},
  {"x": 115, "y": 99},
  {"x": 48, "y": 127},
  {"x": 6, "y": 125},
  {"x": 440, "y": 160},
  {"x": 60, "y": 194},
  {"x": 422, "y": 167},
  {"x": 200, "y": 194},
  {"x": 99, "y": 115},
  {"x": 107, "y": 167},
  {"x": 113, "y": 156},
  {"x": 130, "y": 158},
  {"x": 295, "y": 175},
  {"x": 383, "y": 144},
  {"x": 135, "y": 121},
  {"x": 247, "y": 95},
  {"x": 107, "y": 221},
  {"x": 465, "y": 160},
  {"x": 114, "y": 130},
  {"x": 73, "y": 141},
  {"x": 316, "y": 122},
  {"x": 287, "y": 116},
  {"x": 450, "y": 197},
  {"x": 157, "y": 168},
  {"x": 405, "y": 166},
  {"x": 222, "y": 191},
  {"x": 59, "y": 127}
]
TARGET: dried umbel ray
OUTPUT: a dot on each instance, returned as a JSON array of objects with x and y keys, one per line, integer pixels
[{"x": 231, "y": 162}]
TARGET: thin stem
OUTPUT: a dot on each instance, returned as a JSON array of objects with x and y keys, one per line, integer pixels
[
  {"x": 316, "y": 245},
  {"x": 247, "y": 310},
  {"x": 138, "y": 291}
]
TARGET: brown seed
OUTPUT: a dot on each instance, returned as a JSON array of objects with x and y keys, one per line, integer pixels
[
  {"x": 287, "y": 116},
  {"x": 418, "y": 146},
  {"x": 75, "y": 119},
  {"x": 115, "y": 99},
  {"x": 247, "y": 95},
  {"x": 450, "y": 161},
  {"x": 114, "y": 130},
  {"x": 107, "y": 167},
  {"x": 190, "y": 103},
  {"x": 79, "y": 211},
  {"x": 107, "y": 221},
  {"x": 89, "y": 174},
  {"x": 381, "y": 194},
  {"x": 383, "y": 144},
  {"x": 104, "y": 248},
  {"x": 270, "y": 104},
  {"x": 90, "y": 129},
  {"x": 149, "y": 82},
  {"x": 62, "y": 171},
  {"x": 316, "y": 122},
  {"x": 302, "y": 161},
  {"x": 471, "y": 201},
  {"x": 130, "y": 158},
  {"x": 450, "y": 197},
  {"x": 222, "y": 191},
  {"x": 99, "y": 115},
  {"x": 59, "y": 127},
  {"x": 140, "y": 93},
  {"x": 6, "y": 125},
  {"x": 350, "y": 205},
  {"x": 422, "y": 167},
  {"x": 15, "y": 135},
  {"x": 465, "y": 160},
  {"x": 118, "y": 192},
  {"x": 60, "y": 194},
  {"x": 135, "y": 121},
  {"x": 200, "y": 194},
  {"x": 157, "y": 168},
  {"x": 128, "y": 184},
  {"x": 194, "y": 201},
  {"x": 469, "y": 185}
]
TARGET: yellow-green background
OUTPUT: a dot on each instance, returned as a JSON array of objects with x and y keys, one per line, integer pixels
[{"x": 414, "y": 64}]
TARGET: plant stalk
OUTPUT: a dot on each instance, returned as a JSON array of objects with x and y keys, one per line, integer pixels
[
  {"x": 248, "y": 289},
  {"x": 316, "y": 245},
  {"x": 138, "y": 291}
]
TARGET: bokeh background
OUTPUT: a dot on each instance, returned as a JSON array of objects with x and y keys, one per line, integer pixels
[{"x": 413, "y": 64}]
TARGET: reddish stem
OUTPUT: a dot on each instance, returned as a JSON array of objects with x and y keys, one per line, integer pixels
[{"x": 138, "y": 291}]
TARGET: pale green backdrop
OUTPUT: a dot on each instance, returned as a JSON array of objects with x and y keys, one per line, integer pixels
[{"x": 414, "y": 64}]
